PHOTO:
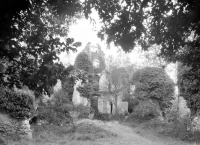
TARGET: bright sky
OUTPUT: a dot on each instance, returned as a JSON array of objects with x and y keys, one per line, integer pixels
[{"x": 86, "y": 31}]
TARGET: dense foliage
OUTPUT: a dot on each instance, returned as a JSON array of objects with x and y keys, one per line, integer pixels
[
  {"x": 90, "y": 83},
  {"x": 30, "y": 34},
  {"x": 17, "y": 105},
  {"x": 55, "y": 111},
  {"x": 30, "y": 41},
  {"x": 146, "y": 22},
  {"x": 90, "y": 87},
  {"x": 68, "y": 82},
  {"x": 153, "y": 83},
  {"x": 188, "y": 83},
  {"x": 147, "y": 108},
  {"x": 126, "y": 23},
  {"x": 83, "y": 62}
]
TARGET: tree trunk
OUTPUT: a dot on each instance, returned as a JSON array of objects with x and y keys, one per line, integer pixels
[{"x": 116, "y": 106}]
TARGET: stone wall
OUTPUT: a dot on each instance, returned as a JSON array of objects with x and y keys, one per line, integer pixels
[{"x": 77, "y": 99}]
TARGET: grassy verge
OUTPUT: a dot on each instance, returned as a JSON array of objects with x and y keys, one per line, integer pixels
[{"x": 177, "y": 130}]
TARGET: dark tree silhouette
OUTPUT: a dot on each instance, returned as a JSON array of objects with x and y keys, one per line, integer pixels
[{"x": 30, "y": 34}]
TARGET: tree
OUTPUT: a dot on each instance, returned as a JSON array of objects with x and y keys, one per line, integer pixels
[
  {"x": 153, "y": 84},
  {"x": 145, "y": 22},
  {"x": 174, "y": 25},
  {"x": 83, "y": 62},
  {"x": 188, "y": 83},
  {"x": 119, "y": 82},
  {"x": 152, "y": 58},
  {"x": 30, "y": 42},
  {"x": 115, "y": 85}
]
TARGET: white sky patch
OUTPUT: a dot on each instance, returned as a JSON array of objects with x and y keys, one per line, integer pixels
[{"x": 85, "y": 31}]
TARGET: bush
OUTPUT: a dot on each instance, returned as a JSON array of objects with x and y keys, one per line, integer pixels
[
  {"x": 117, "y": 117},
  {"x": 102, "y": 116},
  {"x": 179, "y": 129},
  {"x": 84, "y": 111},
  {"x": 147, "y": 108},
  {"x": 17, "y": 105},
  {"x": 154, "y": 83},
  {"x": 56, "y": 111},
  {"x": 57, "y": 115}
]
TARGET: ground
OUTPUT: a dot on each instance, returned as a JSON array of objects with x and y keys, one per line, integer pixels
[{"x": 95, "y": 132}]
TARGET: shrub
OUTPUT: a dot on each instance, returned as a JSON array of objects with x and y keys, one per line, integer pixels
[
  {"x": 147, "y": 108},
  {"x": 154, "y": 83},
  {"x": 56, "y": 111},
  {"x": 17, "y": 105},
  {"x": 57, "y": 115},
  {"x": 84, "y": 111},
  {"x": 179, "y": 129},
  {"x": 102, "y": 116},
  {"x": 118, "y": 117}
]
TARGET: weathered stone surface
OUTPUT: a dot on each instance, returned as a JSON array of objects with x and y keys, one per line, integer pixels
[
  {"x": 58, "y": 86},
  {"x": 100, "y": 105},
  {"x": 103, "y": 81},
  {"x": 77, "y": 99}
]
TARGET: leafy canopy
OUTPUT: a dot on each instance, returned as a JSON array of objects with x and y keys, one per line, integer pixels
[
  {"x": 38, "y": 24},
  {"x": 30, "y": 41},
  {"x": 168, "y": 23}
]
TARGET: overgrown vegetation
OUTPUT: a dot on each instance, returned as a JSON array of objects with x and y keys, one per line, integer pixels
[
  {"x": 188, "y": 83},
  {"x": 30, "y": 42},
  {"x": 60, "y": 110},
  {"x": 17, "y": 105},
  {"x": 38, "y": 25},
  {"x": 83, "y": 62},
  {"x": 68, "y": 82},
  {"x": 96, "y": 55},
  {"x": 55, "y": 111},
  {"x": 154, "y": 85}
]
